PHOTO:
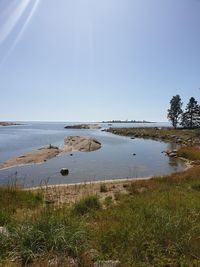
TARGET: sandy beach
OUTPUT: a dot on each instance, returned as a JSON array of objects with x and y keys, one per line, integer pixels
[{"x": 70, "y": 193}]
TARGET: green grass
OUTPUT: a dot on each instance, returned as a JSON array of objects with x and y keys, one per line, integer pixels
[
  {"x": 151, "y": 131},
  {"x": 158, "y": 227},
  {"x": 14, "y": 198},
  {"x": 155, "y": 223}
]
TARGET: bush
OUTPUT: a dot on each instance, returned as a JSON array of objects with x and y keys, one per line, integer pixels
[
  {"x": 103, "y": 188},
  {"x": 191, "y": 153},
  {"x": 86, "y": 205}
]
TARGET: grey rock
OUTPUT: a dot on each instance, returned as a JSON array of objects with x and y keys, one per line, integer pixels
[
  {"x": 109, "y": 263},
  {"x": 172, "y": 154},
  {"x": 61, "y": 261}
]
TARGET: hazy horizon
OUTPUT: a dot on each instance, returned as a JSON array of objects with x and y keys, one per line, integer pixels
[
  {"x": 88, "y": 60},
  {"x": 78, "y": 121}
]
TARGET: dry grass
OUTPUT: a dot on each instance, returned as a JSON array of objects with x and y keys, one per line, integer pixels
[{"x": 191, "y": 153}]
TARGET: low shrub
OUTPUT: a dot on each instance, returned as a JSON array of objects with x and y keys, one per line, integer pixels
[
  {"x": 103, "y": 188},
  {"x": 86, "y": 205},
  {"x": 191, "y": 153}
]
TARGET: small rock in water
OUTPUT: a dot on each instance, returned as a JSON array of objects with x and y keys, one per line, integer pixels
[
  {"x": 64, "y": 171},
  {"x": 134, "y": 154},
  {"x": 71, "y": 154}
]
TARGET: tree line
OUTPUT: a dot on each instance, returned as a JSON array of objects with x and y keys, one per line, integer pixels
[{"x": 189, "y": 118}]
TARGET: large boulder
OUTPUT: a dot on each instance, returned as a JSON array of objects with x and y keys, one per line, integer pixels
[{"x": 81, "y": 143}]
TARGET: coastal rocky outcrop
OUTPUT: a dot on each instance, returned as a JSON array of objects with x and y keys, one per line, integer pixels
[
  {"x": 81, "y": 143},
  {"x": 3, "y": 123},
  {"x": 71, "y": 143},
  {"x": 83, "y": 126},
  {"x": 38, "y": 156}
]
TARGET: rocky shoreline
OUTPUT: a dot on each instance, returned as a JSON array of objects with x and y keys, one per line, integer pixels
[
  {"x": 8, "y": 123},
  {"x": 179, "y": 136}
]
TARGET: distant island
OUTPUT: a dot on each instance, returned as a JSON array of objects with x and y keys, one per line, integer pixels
[
  {"x": 83, "y": 126},
  {"x": 127, "y": 121}
]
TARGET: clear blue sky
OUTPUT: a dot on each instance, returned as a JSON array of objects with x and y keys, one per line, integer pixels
[{"x": 91, "y": 60}]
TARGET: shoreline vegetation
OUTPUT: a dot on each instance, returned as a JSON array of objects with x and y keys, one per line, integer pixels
[
  {"x": 153, "y": 222},
  {"x": 149, "y": 222},
  {"x": 71, "y": 143},
  {"x": 180, "y": 136},
  {"x": 127, "y": 121}
]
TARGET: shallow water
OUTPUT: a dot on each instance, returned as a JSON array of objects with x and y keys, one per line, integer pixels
[{"x": 113, "y": 161}]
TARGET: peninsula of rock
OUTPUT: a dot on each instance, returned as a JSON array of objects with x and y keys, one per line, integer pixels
[{"x": 71, "y": 143}]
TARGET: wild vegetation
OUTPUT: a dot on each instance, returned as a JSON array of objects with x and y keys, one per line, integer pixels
[
  {"x": 180, "y": 136},
  {"x": 151, "y": 223}
]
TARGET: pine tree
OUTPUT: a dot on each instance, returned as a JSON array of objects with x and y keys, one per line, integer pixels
[
  {"x": 175, "y": 111},
  {"x": 191, "y": 116}
]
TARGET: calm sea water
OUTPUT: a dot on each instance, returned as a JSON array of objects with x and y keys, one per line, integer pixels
[{"x": 113, "y": 161}]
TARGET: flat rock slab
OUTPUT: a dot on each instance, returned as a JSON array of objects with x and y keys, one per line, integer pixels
[
  {"x": 81, "y": 143},
  {"x": 37, "y": 156},
  {"x": 83, "y": 126},
  {"x": 71, "y": 143}
]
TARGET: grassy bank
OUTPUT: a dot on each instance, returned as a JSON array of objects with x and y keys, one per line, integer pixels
[
  {"x": 148, "y": 223},
  {"x": 181, "y": 136}
]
